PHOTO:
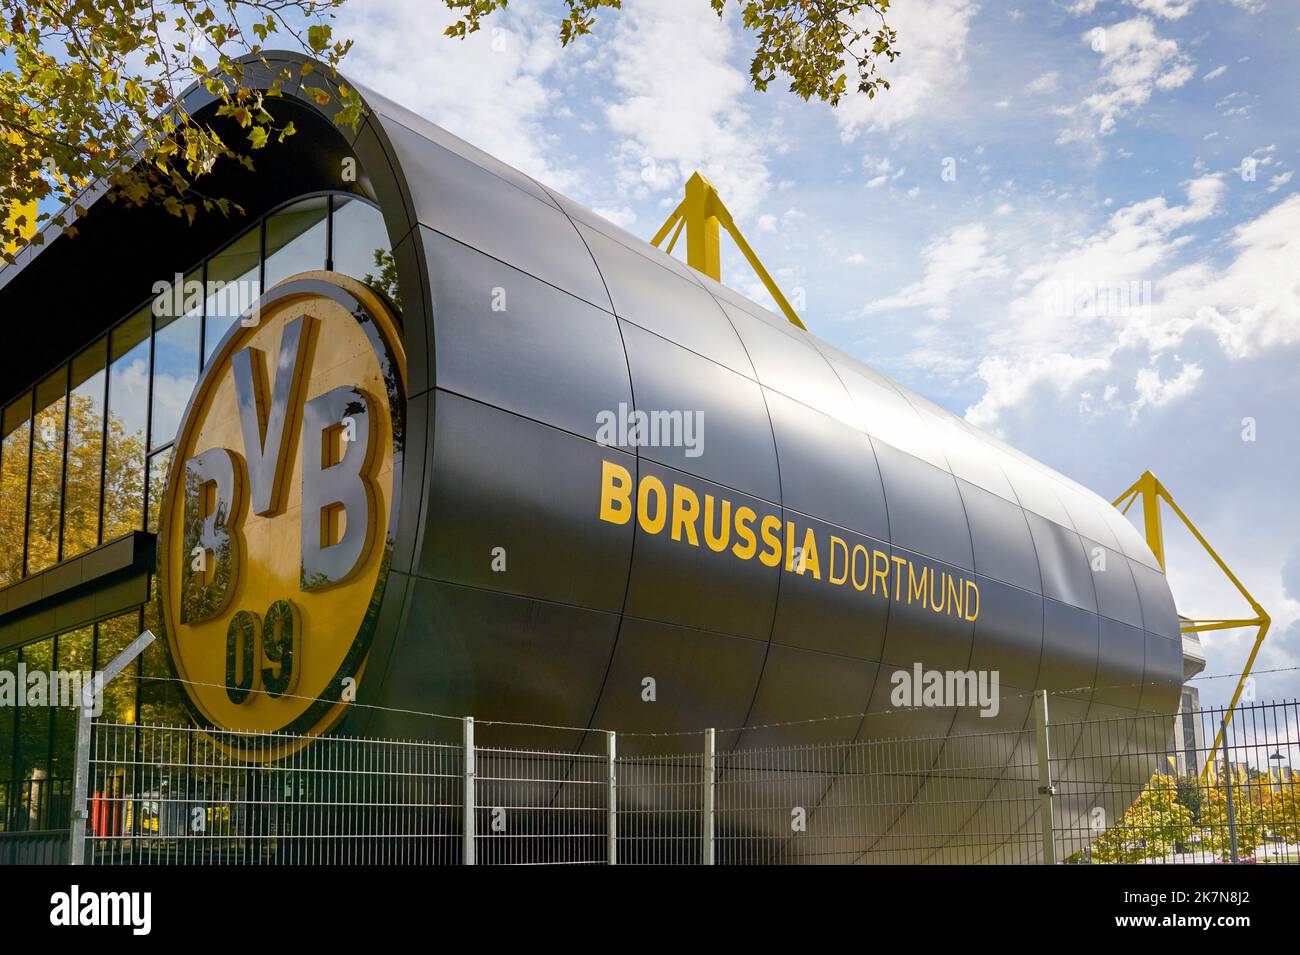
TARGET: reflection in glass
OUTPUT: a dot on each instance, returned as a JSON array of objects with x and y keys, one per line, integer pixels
[
  {"x": 128, "y": 410},
  {"x": 119, "y": 695},
  {"x": 234, "y": 285},
  {"x": 75, "y": 654},
  {"x": 14, "y": 455},
  {"x": 160, "y": 695},
  {"x": 8, "y": 664},
  {"x": 361, "y": 247},
  {"x": 295, "y": 240},
  {"x": 85, "y": 450},
  {"x": 34, "y": 738},
  {"x": 46, "y": 473},
  {"x": 158, "y": 465},
  {"x": 175, "y": 368}
]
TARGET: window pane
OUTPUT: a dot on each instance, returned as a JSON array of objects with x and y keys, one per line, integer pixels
[
  {"x": 361, "y": 246},
  {"x": 85, "y": 450},
  {"x": 295, "y": 240},
  {"x": 8, "y": 664},
  {"x": 128, "y": 411},
  {"x": 119, "y": 695},
  {"x": 75, "y": 654},
  {"x": 34, "y": 743},
  {"x": 46, "y": 473},
  {"x": 14, "y": 454},
  {"x": 160, "y": 694},
  {"x": 233, "y": 286},
  {"x": 158, "y": 466},
  {"x": 175, "y": 368}
]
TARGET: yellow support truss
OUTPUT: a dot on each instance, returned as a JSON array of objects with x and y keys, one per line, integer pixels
[
  {"x": 701, "y": 212},
  {"x": 1152, "y": 492}
]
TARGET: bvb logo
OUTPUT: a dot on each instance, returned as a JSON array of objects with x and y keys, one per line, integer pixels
[{"x": 278, "y": 523}]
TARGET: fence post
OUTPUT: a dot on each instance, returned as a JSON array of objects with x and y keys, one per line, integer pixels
[
  {"x": 710, "y": 767},
  {"x": 611, "y": 814},
  {"x": 467, "y": 855},
  {"x": 1045, "y": 788},
  {"x": 81, "y": 762},
  {"x": 1227, "y": 782}
]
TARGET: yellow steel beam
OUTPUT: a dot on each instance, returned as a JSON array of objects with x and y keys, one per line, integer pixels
[
  {"x": 702, "y": 212},
  {"x": 1152, "y": 493}
]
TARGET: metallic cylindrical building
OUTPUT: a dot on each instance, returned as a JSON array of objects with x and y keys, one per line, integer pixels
[{"x": 785, "y": 534}]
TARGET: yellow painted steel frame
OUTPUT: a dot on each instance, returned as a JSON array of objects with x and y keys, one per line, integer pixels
[
  {"x": 1152, "y": 492},
  {"x": 701, "y": 212}
]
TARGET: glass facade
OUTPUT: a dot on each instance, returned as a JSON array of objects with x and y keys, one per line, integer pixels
[{"x": 84, "y": 453}]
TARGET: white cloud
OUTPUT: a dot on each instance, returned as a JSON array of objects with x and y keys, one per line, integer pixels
[
  {"x": 932, "y": 35},
  {"x": 400, "y": 51},
  {"x": 677, "y": 108},
  {"x": 1135, "y": 62},
  {"x": 1215, "y": 73},
  {"x": 1169, "y": 9},
  {"x": 623, "y": 216},
  {"x": 1154, "y": 391},
  {"x": 1115, "y": 302},
  {"x": 958, "y": 259},
  {"x": 1048, "y": 82}
]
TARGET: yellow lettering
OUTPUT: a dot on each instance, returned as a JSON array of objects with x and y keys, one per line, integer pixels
[
  {"x": 880, "y": 571},
  {"x": 768, "y": 528},
  {"x": 972, "y": 588},
  {"x": 866, "y": 567},
  {"x": 686, "y": 508},
  {"x": 810, "y": 559},
  {"x": 844, "y": 549},
  {"x": 615, "y": 493},
  {"x": 719, "y": 542},
  {"x": 899, "y": 564},
  {"x": 913, "y": 591},
  {"x": 745, "y": 531},
  {"x": 954, "y": 597},
  {"x": 651, "y": 485}
]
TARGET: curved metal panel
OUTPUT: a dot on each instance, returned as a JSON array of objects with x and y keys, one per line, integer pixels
[
  {"x": 507, "y": 339},
  {"x": 731, "y": 436},
  {"x": 1009, "y": 634},
  {"x": 679, "y": 577},
  {"x": 1003, "y": 546},
  {"x": 485, "y": 513},
  {"x": 847, "y": 619},
  {"x": 925, "y": 510},
  {"x": 458, "y": 198},
  {"x": 657, "y": 299},
  {"x": 1061, "y": 560},
  {"x": 827, "y": 469}
]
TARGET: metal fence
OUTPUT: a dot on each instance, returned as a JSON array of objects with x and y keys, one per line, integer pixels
[{"x": 1080, "y": 792}]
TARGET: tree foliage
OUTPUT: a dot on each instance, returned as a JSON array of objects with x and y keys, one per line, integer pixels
[
  {"x": 813, "y": 43},
  {"x": 90, "y": 91},
  {"x": 1152, "y": 827},
  {"x": 1190, "y": 814}
]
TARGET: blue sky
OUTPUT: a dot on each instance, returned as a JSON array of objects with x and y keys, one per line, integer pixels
[{"x": 1073, "y": 222}]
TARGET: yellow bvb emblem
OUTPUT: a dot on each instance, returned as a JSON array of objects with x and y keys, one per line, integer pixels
[{"x": 277, "y": 526}]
